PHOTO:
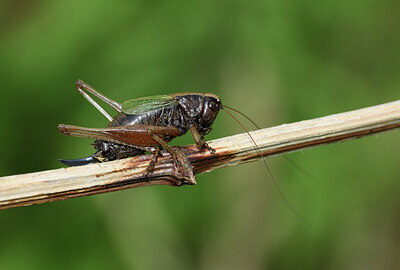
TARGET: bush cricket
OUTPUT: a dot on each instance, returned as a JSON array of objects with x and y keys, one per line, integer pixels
[{"x": 149, "y": 123}]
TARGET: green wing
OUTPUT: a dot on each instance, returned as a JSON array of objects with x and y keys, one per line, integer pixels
[{"x": 147, "y": 104}]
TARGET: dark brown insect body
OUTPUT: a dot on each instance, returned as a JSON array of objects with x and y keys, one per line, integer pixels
[{"x": 146, "y": 124}]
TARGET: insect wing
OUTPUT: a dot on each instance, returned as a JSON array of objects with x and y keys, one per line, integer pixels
[{"x": 148, "y": 104}]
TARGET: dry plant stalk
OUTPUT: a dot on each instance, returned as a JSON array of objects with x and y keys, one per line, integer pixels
[{"x": 61, "y": 184}]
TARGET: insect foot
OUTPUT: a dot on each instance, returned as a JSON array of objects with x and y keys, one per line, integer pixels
[
  {"x": 212, "y": 150},
  {"x": 183, "y": 169}
]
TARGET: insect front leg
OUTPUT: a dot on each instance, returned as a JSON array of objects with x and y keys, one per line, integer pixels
[{"x": 199, "y": 140}]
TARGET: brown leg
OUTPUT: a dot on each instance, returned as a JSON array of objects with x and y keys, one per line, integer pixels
[
  {"x": 133, "y": 135},
  {"x": 182, "y": 164},
  {"x": 153, "y": 161},
  {"x": 164, "y": 144},
  {"x": 199, "y": 140}
]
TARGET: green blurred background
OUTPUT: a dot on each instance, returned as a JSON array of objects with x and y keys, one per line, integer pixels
[{"x": 278, "y": 61}]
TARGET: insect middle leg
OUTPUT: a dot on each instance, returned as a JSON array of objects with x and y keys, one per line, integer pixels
[
  {"x": 153, "y": 133},
  {"x": 183, "y": 165}
]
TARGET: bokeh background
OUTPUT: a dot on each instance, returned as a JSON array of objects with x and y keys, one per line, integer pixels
[{"x": 277, "y": 61}]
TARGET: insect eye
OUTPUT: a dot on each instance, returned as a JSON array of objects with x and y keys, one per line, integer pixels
[{"x": 209, "y": 112}]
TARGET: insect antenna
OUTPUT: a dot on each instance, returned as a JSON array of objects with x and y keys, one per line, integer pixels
[
  {"x": 263, "y": 159},
  {"x": 286, "y": 157},
  {"x": 242, "y": 114}
]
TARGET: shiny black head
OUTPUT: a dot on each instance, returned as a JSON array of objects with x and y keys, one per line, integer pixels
[
  {"x": 211, "y": 107},
  {"x": 201, "y": 109}
]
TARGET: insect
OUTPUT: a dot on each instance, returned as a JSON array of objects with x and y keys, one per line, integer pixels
[
  {"x": 149, "y": 123},
  {"x": 145, "y": 124}
]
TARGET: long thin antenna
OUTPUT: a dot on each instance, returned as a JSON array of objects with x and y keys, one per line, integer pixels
[
  {"x": 266, "y": 165},
  {"x": 294, "y": 164},
  {"x": 242, "y": 114}
]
